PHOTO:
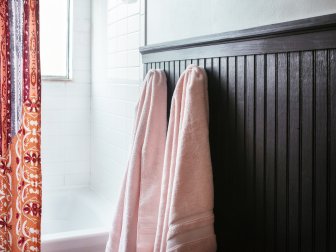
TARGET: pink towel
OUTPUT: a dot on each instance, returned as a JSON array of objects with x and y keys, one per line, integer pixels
[
  {"x": 135, "y": 222},
  {"x": 186, "y": 207}
]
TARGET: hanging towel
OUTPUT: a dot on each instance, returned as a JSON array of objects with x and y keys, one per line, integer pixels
[
  {"x": 135, "y": 223},
  {"x": 186, "y": 208}
]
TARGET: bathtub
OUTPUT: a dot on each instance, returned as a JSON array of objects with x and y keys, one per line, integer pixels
[{"x": 74, "y": 220}]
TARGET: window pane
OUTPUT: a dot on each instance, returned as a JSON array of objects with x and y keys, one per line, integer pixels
[{"x": 54, "y": 37}]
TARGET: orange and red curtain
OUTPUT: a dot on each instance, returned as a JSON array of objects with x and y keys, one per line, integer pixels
[{"x": 20, "y": 126}]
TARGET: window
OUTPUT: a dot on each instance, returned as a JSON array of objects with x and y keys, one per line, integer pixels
[{"x": 55, "y": 39}]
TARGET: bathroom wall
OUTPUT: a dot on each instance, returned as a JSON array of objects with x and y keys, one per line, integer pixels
[
  {"x": 118, "y": 31},
  {"x": 176, "y": 19},
  {"x": 116, "y": 74},
  {"x": 66, "y": 112}
]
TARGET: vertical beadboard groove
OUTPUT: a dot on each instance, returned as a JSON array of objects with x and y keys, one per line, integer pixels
[
  {"x": 222, "y": 209},
  {"x": 254, "y": 173},
  {"x": 188, "y": 62},
  {"x": 232, "y": 169},
  {"x": 332, "y": 161},
  {"x": 182, "y": 66},
  {"x": 293, "y": 152},
  {"x": 281, "y": 158},
  {"x": 169, "y": 91},
  {"x": 201, "y": 62},
  {"x": 270, "y": 160},
  {"x": 213, "y": 92},
  {"x": 212, "y": 103},
  {"x": 313, "y": 150},
  {"x": 240, "y": 137},
  {"x": 300, "y": 152},
  {"x": 264, "y": 153},
  {"x": 321, "y": 150},
  {"x": 307, "y": 152},
  {"x": 172, "y": 75},
  {"x": 273, "y": 148},
  {"x": 250, "y": 143},
  {"x": 176, "y": 71},
  {"x": 328, "y": 152},
  {"x": 276, "y": 155},
  {"x": 287, "y": 147},
  {"x": 259, "y": 149}
]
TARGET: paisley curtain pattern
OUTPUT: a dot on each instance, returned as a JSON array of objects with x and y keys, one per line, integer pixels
[{"x": 20, "y": 126}]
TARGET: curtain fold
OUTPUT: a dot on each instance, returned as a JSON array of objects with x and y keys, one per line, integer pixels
[{"x": 20, "y": 126}]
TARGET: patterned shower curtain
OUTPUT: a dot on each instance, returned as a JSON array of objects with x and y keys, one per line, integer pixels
[{"x": 20, "y": 137}]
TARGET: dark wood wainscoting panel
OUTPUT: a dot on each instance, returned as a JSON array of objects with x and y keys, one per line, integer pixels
[{"x": 272, "y": 136}]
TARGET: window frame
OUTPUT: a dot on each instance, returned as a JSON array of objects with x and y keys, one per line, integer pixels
[{"x": 68, "y": 76}]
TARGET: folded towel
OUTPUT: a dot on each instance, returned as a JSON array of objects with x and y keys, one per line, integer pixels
[
  {"x": 186, "y": 207},
  {"x": 135, "y": 223}
]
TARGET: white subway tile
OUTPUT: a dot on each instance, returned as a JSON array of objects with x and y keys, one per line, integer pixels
[
  {"x": 133, "y": 73},
  {"x": 66, "y": 112},
  {"x": 133, "y": 40},
  {"x": 133, "y": 24},
  {"x": 78, "y": 116},
  {"x": 112, "y": 45},
  {"x": 121, "y": 27},
  {"x": 74, "y": 129},
  {"x": 142, "y": 30},
  {"x": 81, "y": 50},
  {"x": 52, "y": 168},
  {"x": 82, "y": 38},
  {"x": 78, "y": 102},
  {"x": 141, "y": 70},
  {"x": 77, "y": 148},
  {"x": 121, "y": 43},
  {"x": 114, "y": 98},
  {"x": 117, "y": 13},
  {"x": 76, "y": 167},
  {"x": 78, "y": 89},
  {"x": 81, "y": 25},
  {"x": 81, "y": 64},
  {"x": 112, "y": 4},
  {"x": 55, "y": 89},
  {"x": 53, "y": 102},
  {"x": 81, "y": 76},
  {"x": 133, "y": 8},
  {"x": 53, "y": 129},
  {"x": 142, "y": 6},
  {"x": 133, "y": 58},
  {"x": 82, "y": 9},
  {"x": 112, "y": 30},
  {"x": 77, "y": 179},
  {"x": 120, "y": 58},
  {"x": 117, "y": 73},
  {"x": 52, "y": 181}
]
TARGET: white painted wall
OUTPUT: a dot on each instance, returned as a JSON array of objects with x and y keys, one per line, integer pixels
[
  {"x": 116, "y": 77},
  {"x": 175, "y": 19},
  {"x": 66, "y": 113}
]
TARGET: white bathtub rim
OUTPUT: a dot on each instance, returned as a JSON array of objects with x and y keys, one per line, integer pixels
[
  {"x": 84, "y": 241},
  {"x": 69, "y": 235}
]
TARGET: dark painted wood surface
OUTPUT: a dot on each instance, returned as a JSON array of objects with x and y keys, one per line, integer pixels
[{"x": 272, "y": 133}]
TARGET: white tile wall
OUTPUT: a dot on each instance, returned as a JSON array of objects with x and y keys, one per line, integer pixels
[
  {"x": 87, "y": 123},
  {"x": 66, "y": 112},
  {"x": 116, "y": 77}
]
